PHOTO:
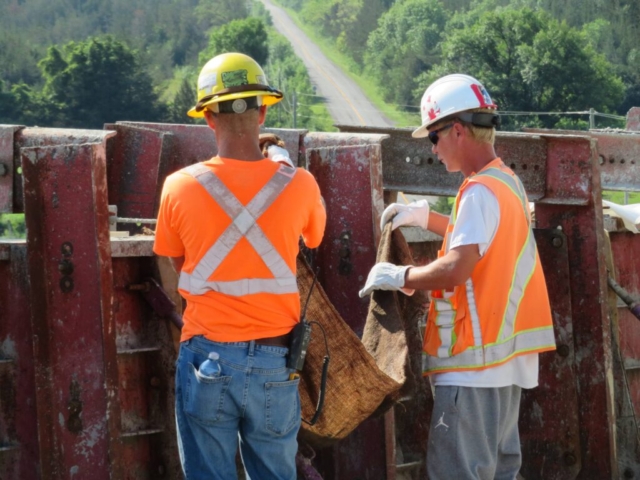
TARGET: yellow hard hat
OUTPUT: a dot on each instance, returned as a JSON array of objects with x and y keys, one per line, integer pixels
[{"x": 232, "y": 76}]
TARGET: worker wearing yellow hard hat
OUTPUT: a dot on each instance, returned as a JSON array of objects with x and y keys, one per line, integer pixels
[
  {"x": 232, "y": 225},
  {"x": 233, "y": 76}
]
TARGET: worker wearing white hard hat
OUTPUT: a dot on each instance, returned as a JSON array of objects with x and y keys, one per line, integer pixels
[{"x": 489, "y": 315}]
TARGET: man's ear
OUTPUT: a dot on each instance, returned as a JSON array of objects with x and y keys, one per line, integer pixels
[
  {"x": 459, "y": 129},
  {"x": 210, "y": 118},
  {"x": 262, "y": 114}
]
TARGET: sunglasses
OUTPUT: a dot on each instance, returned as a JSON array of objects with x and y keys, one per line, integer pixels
[{"x": 433, "y": 135}]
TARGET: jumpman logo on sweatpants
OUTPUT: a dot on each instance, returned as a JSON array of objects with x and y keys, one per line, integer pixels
[{"x": 441, "y": 422}]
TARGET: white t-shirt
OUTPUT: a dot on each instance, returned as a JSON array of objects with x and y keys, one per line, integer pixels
[{"x": 477, "y": 223}]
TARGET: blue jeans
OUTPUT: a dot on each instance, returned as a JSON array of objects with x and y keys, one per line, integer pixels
[{"x": 253, "y": 399}]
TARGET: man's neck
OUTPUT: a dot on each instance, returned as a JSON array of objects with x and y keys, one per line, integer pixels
[
  {"x": 239, "y": 147},
  {"x": 479, "y": 157}
]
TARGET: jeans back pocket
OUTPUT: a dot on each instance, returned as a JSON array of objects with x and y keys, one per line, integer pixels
[
  {"x": 282, "y": 406},
  {"x": 205, "y": 398}
]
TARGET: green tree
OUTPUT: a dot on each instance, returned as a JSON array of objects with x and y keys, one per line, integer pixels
[
  {"x": 248, "y": 36},
  {"x": 184, "y": 99},
  {"x": 404, "y": 45},
  {"x": 529, "y": 62},
  {"x": 97, "y": 81}
]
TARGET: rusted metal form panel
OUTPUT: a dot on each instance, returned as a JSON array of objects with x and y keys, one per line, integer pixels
[
  {"x": 625, "y": 247},
  {"x": 66, "y": 214},
  {"x": 410, "y": 166},
  {"x": 348, "y": 170},
  {"x": 7, "y": 167},
  {"x": 18, "y": 428},
  {"x": 145, "y": 371},
  {"x": 568, "y": 158},
  {"x": 618, "y": 154},
  {"x": 549, "y": 430}
]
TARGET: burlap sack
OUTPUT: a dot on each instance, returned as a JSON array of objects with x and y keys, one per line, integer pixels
[
  {"x": 391, "y": 334},
  {"x": 355, "y": 385}
]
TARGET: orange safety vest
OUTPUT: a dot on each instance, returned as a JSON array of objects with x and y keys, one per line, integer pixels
[{"x": 503, "y": 310}]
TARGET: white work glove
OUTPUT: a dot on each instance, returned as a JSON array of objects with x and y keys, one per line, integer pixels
[
  {"x": 416, "y": 214},
  {"x": 279, "y": 154},
  {"x": 386, "y": 276}
]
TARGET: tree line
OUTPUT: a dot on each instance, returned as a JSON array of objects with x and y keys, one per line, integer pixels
[
  {"x": 84, "y": 63},
  {"x": 532, "y": 55}
]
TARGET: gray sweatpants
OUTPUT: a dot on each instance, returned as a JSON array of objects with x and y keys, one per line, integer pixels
[{"x": 474, "y": 434}]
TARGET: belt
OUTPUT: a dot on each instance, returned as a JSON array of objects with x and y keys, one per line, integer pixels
[{"x": 280, "y": 341}]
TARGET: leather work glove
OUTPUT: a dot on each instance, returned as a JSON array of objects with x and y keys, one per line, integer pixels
[
  {"x": 416, "y": 214},
  {"x": 386, "y": 276}
]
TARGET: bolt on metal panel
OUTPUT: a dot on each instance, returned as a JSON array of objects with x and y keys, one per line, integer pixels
[{"x": 71, "y": 291}]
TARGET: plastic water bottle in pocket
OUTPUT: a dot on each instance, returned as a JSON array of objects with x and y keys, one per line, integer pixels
[{"x": 211, "y": 366}]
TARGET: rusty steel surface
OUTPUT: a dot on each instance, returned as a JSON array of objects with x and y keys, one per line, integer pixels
[
  {"x": 347, "y": 169},
  {"x": 549, "y": 427},
  {"x": 7, "y": 167},
  {"x": 18, "y": 428},
  {"x": 626, "y": 351},
  {"x": 41, "y": 137},
  {"x": 145, "y": 376},
  {"x": 624, "y": 246},
  {"x": 71, "y": 292},
  {"x": 135, "y": 246},
  {"x": 135, "y": 156},
  {"x": 583, "y": 227},
  {"x": 348, "y": 178},
  {"x": 409, "y": 165},
  {"x": 618, "y": 156}
]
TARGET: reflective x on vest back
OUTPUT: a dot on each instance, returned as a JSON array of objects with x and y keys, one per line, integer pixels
[
  {"x": 243, "y": 225},
  {"x": 525, "y": 266}
]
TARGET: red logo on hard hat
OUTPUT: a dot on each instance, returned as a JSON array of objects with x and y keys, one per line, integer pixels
[
  {"x": 483, "y": 96},
  {"x": 434, "y": 111}
]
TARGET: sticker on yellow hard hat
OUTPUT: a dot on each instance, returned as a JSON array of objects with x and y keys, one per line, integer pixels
[{"x": 234, "y": 78}]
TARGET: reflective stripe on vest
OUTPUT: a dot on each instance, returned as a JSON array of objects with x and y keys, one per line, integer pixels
[
  {"x": 473, "y": 357},
  {"x": 526, "y": 262},
  {"x": 507, "y": 344},
  {"x": 244, "y": 225}
]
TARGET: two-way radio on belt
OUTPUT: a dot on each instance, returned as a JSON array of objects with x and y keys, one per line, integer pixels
[{"x": 300, "y": 338}]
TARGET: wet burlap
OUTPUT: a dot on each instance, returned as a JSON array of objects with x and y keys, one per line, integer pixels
[
  {"x": 365, "y": 377},
  {"x": 355, "y": 385},
  {"x": 391, "y": 334}
]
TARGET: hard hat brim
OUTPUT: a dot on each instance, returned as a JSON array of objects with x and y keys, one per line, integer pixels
[
  {"x": 421, "y": 131},
  {"x": 267, "y": 99}
]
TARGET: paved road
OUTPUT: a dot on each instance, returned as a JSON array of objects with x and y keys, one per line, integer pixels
[{"x": 344, "y": 99}]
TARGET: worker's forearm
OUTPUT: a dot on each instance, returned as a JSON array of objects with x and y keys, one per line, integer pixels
[
  {"x": 434, "y": 276},
  {"x": 446, "y": 272},
  {"x": 177, "y": 263},
  {"x": 438, "y": 223}
]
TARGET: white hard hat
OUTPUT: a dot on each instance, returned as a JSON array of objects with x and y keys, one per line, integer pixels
[{"x": 449, "y": 95}]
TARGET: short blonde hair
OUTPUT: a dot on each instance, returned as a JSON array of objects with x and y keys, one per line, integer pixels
[{"x": 482, "y": 134}]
